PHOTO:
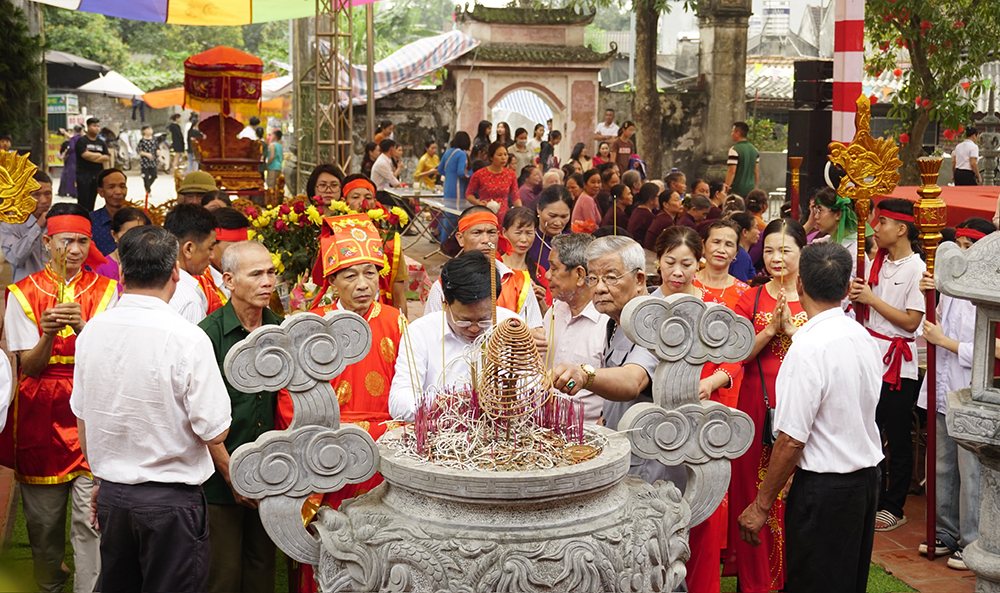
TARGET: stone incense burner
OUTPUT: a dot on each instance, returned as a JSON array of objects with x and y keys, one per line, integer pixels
[{"x": 586, "y": 527}]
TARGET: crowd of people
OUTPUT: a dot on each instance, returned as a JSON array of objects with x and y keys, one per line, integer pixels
[{"x": 144, "y": 455}]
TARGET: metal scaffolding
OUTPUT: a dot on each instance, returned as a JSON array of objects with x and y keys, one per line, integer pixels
[{"x": 323, "y": 107}]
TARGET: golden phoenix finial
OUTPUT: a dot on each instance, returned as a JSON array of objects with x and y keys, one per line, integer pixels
[
  {"x": 16, "y": 185},
  {"x": 870, "y": 164}
]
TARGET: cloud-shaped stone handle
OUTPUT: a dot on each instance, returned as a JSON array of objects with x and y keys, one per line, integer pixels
[
  {"x": 692, "y": 433},
  {"x": 304, "y": 350},
  {"x": 683, "y": 327},
  {"x": 300, "y": 462}
]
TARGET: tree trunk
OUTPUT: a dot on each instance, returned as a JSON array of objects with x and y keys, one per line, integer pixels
[
  {"x": 646, "y": 103},
  {"x": 909, "y": 173}
]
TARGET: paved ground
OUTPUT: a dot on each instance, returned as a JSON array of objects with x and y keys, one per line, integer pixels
[{"x": 163, "y": 189}]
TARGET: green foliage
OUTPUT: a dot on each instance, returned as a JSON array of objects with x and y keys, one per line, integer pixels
[
  {"x": 394, "y": 26},
  {"x": 767, "y": 136},
  {"x": 946, "y": 42},
  {"x": 612, "y": 18},
  {"x": 91, "y": 36},
  {"x": 21, "y": 73}
]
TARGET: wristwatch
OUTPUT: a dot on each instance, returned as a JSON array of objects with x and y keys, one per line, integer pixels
[{"x": 591, "y": 375}]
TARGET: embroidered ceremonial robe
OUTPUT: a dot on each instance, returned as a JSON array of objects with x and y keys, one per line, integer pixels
[{"x": 41, "y": 442}]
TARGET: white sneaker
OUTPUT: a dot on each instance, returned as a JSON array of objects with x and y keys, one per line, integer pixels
[{"x": 956, "y": 561}]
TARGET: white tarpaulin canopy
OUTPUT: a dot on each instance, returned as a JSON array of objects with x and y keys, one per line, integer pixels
[{"x": 113, "y": 84}]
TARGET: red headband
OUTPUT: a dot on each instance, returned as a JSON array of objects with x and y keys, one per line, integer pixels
[
  {"x": 232, "y": 235},
  {"x": 896, "y": 215},
  {"x": 970, "y": 234},
  {"x": 71, "y": 223},
  {"x": 355, "y": 184},
  {"x": 477, "y": 218}
]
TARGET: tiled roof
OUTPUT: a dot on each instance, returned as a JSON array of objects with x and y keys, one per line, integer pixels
[
  {"x": 524, "y": 16},
  {"x": 519, "y": 52}
]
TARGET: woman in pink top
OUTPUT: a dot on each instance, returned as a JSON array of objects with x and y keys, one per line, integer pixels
[
  {"x": 586, "y": 206},
  {"x": 495, "y": 183}
]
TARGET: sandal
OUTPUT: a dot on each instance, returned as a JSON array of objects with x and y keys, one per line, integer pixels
[{"x": 889, "y": 521}]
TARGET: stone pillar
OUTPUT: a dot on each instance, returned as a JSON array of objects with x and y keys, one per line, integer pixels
[{"x": 722, "y": 65}]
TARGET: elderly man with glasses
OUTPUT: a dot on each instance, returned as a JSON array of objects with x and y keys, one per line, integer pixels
[
  {"x": 433, "y": 348},
  {"x": 616, "y": 276}
]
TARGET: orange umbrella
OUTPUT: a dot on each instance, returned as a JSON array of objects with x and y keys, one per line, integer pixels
[{"x": 223, "y": 80}]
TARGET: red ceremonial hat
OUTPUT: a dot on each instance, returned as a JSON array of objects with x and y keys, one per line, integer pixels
[{"x": 347, "y": 241}]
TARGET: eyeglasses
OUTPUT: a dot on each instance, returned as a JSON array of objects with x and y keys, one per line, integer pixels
[
  {"x": 817, "y": 209},
  {"x": 327, "y": 186},
  {"x": 485, "y": 324},
  {"x": 608, "y": 280}
]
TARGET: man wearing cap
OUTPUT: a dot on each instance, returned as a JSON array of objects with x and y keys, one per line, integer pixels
[
  {"x": 478, "y": 230},
  {"x": 195, "y": 185},
  {"x": 242, "y": 555},
  {"x": 232, "y": 228},
  {"x": 45, "y": 313},
  {"x": 363, "y": 388},
  {"x": 434, "y": 348},
  {"x": 113, "y": 187},
  {"x": 359, "y": 195},
  {"x": 194, "y": 227},
  {"x": 91, "y": 154}
]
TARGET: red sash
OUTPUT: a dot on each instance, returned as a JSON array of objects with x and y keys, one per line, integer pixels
[
  {"x": 216, "y": 298},
  {"x": 898, "y": 350}
]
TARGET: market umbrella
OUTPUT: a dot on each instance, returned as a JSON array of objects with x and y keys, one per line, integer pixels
[
  {"x": 198, "y": 12},
  {"x": 67, "y": 71},
  {"x": 113, "y": 84},
  {"x": 224, "y": 80}
]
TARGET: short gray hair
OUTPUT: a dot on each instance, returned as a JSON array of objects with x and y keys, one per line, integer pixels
[
  {"x": 633, "y": 257},
  {"x": 572, "y": 249},
  {"x": 232, "y": 258},
  {"x": 631, "y": 177},
  {"x": 700, "y": 202},
  {"x": 552, "y": 177}
]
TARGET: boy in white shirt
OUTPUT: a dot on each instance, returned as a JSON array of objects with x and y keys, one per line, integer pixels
[{"x": 893, "y": 308}]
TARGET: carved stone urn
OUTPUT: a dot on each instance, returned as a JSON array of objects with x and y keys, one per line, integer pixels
[
  {"x": 973, "y": 417},
  {"x": 586, "y": 527}
]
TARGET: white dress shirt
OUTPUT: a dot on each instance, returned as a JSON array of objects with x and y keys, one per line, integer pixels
[
  {"x": 433, "y": 352},
  {"x": 23, "y": 247},
  {"x": 826, "y": 393},
  {"x": 529, "y": 310},
  {"x": 22, "y": 332},
  {"x": 248, "y": 132},
  {"x": 604, "y": 129},
  {"x": 954, "y": 371},
  {"x": 150, "y": 392},
  {"x": 579, "y": 340},
  {"x": 964, "y": 153},
  {"x": 189, "y": 299},
  {"x": 384, "y": 173}
]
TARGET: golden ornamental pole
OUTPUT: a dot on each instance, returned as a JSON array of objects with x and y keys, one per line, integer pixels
[
  {"x": 796, "y": 163},
  {"x": 930, "y": 216},
  {"x": 870, "y": 166}
]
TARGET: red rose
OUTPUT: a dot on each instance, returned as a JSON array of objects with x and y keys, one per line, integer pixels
[
  {"x": 299, "y": 207},
  {"x": 393, "y": 219},
  {"x": 284, "y": 210},
  {"x": 251, "y": 212},
  {"x": 904, "y": 138},
  {"x": 279, "y": 225}
]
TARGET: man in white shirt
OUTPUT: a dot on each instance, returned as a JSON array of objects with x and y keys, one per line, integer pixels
[
  {"x": 194, "y": 227},
  {"x": 616, "y": 275},
  {"x": 432, "y": 349},
  {"x": 149, "y": 400},
  {"x": 578, "y": 329},
  {"x": 607, "y": 130},
  {"x": 22, "y": 243},
  {"x": 826, "y": 391},
  {"x": 965, "y": 160},
  {"x": 250, "y": 132},
  {"x": 478, "y": 230},
  {"x": 385, "y": 171}
]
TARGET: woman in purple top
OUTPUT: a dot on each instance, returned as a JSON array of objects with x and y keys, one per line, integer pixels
[
  {"x": 67, "y": 152},
  {"x": 124, "y": 219},
  {"x": 553, "y": 208}
]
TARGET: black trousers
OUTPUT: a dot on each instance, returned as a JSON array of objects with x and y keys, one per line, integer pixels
[
  {"x": 965, "y": 177},
  {"x": 86, "y": 190},
  {"x": 154, "y": 537},
  {"x": 148, "y": 177},
  {"x": 894, "y": 416},
  {"x": 830, "y": 526}
]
